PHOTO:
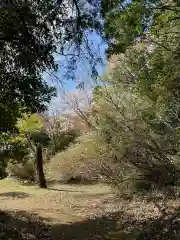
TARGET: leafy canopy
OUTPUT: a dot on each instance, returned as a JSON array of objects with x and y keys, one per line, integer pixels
[{"x": 31, "y": 34}]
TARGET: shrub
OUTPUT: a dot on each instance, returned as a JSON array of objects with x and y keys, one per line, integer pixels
[
  {"x": 60, "y": 141},
  {"x": 64, "y": 138},
  {"x": 3, "y": 169},
  {"x": 12, "y": 149},
  {"x": 23, "y": 171},
  {"x": 135, "y": 136}
]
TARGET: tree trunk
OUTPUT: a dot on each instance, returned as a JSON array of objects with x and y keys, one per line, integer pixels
[{"x": 39, "y": 167}]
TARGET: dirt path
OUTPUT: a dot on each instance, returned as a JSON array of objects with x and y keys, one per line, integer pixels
[
  {"x": 62, "y": 203},
  {"x": 60, "y": 212}
]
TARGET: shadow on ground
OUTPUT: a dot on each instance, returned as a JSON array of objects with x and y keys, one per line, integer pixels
[
  {"x": 116, "y": 226},
  {"x": 64, "y": 190},
  {"x": 14, "y": 194}
]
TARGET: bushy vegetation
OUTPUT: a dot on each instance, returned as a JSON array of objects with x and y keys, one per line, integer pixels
[
  {"x": 61, "y": 141},
  {"x": 21, "y": 171},
  {"x": 18, "y": 151},
  {"x": 135, "y": 136},
  {"x": 136, "y": 108}
]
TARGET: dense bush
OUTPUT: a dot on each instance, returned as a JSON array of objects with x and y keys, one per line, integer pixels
[
  {"x": 3, "y": 169},
  {"x": 65, "y": 138},
  {"x": 136, "y": 135},
  {"x": 137, "y": 112},
  {"x": 12, "y": 148},
  {"x": 61, "y": 140},
  {"x": 23, "y": 171}
]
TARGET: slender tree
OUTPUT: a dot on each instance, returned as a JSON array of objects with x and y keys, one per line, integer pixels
[{"x": 39, "y": 166}]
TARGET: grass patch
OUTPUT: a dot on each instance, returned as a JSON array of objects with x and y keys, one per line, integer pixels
[{"x": 78, "y": 160}]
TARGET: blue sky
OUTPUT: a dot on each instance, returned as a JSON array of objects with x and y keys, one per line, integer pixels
[
  {"x": 83, "y": 68},
  {"x": 82, "y": 72}
]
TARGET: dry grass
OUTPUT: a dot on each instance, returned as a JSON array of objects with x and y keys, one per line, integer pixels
[
  {"x": 91, "y": 212},
  {"x": 77, "y": 159}
]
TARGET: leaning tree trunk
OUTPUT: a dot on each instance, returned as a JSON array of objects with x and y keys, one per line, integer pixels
[{"x": 39, "y": 167}]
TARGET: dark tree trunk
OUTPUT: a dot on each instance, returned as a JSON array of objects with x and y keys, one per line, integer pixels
[{"x": 39, "y": 167}]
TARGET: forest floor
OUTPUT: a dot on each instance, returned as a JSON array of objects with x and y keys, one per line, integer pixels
[{"x": 81, "y": 212}]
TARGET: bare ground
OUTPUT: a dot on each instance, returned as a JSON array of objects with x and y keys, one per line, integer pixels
[
  {"x": 63, "y": 203},
  {"x": 82, "y": 212}
]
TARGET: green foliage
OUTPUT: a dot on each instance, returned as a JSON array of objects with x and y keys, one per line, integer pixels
[
  {"x": 150, "y": 60},
  {"x": 65, "y": 138},
  {"x": 125, "y": 22},
  {"x": 61, "y": 141},
  {"x": 29, "y": 123},
  {"x": 136, "y": 130},
  {"x": 137, "y": 112},
  {"x": 31, "y": 34},
  {"x": 2, "y": 169},
  {"x": 12, "y": 147},
  {"x": 31, "y": 129},
  {"x": 19, "y": 151},
  {"x": 40, "y": 137}
]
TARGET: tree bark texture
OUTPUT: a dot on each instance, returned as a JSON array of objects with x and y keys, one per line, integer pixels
[{"x": 39, "y": 167}]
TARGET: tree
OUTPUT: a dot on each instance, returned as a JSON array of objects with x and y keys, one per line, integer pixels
[
  {"x": 127, "y": 22},
  {"x": 141, "y": 96},
  {"x": 144, "y": 34},
  {"x": 32, "y": 33},
  {"x": 155, "y": 67},
  {"x": 39, "y": 164},
  {"x": 79, "y": 103},
  {"x": 24, "y": 55},
  {"x": 31, "y": 129},
  {"x": 61, "y": 131},
  {"x": 135, "y": 135}
]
